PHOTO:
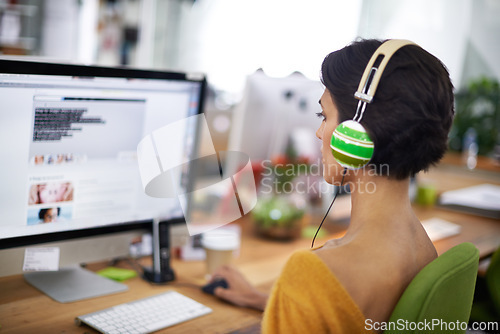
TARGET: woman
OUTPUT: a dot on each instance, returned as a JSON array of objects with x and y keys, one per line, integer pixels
[
  {"x": 358, "y": 279},
  {"x": 49, "y": 215}
]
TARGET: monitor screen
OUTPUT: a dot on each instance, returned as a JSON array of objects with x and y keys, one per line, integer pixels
[
  {"x": 69, "y": 136},
  {"x": 288, "y": 106}
]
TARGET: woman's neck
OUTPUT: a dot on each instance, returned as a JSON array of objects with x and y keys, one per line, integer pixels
[{"x": 378, "y": 202}]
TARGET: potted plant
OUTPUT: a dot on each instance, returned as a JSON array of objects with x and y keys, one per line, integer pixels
[
  {"x": 477, "y": 108},
  {"x": 278, "y": 217},
  {"x": 279, "y": 212}
]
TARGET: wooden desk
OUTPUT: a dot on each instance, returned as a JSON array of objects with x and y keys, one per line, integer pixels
[
  {"x": 482, "y": 232},
  {"x": 23, "y": 309}
]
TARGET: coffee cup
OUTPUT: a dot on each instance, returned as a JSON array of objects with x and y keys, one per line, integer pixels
[{"x": 219, "y": 248}]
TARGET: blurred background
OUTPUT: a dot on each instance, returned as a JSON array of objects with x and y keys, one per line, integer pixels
[
  {"x": 230, "y": 39},
  {"x": 262, "y": 59}
]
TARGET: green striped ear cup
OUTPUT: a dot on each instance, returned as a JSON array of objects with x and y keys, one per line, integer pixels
[{"x": 351, "y": 146}]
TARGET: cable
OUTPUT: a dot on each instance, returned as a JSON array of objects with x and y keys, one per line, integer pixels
[{"x": 327, "y": 211}]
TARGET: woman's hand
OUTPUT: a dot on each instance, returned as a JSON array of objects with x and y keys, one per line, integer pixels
[{"x": 239, "y": 292}]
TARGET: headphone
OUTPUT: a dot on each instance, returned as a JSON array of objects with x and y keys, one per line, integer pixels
[{"x": 351, "y": 145}]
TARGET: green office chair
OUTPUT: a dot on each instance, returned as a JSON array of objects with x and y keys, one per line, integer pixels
[
  {"x": 493, "y": 280},
  {"x": 441, "y": 292},
  {"x": 486, "y": 306}
]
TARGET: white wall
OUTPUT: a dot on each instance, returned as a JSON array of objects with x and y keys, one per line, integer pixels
[
  {"x": 230, "y": 39},
  {"x": 60, "y": 29},
  {"x": 446, "y": 28},
  {"x": 483, "y": 57}
]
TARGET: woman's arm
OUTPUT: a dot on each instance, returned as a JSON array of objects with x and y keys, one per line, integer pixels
[{"x": 239, "y": 291}]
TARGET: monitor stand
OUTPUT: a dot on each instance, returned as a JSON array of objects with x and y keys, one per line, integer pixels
[{"x": 73, "y": 283}]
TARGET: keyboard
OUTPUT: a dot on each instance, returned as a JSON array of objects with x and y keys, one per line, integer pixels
[{"x": 145, "y": 315}]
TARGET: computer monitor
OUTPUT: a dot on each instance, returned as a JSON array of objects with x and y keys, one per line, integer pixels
[
  {"x": 274, "y": 114},
  {"x": 69, "y": 171}
]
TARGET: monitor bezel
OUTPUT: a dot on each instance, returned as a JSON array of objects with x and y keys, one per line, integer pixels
[{"x": 9, "y": 66}]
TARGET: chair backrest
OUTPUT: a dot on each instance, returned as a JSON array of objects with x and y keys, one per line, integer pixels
[
  {"x": 439, "y": 298},
  {"x": 493, "y": 280}
]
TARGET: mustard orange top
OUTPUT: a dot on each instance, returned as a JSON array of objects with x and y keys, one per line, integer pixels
[{"x": 308, "y": 298}]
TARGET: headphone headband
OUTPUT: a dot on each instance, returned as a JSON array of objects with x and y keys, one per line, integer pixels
[{"x": 387, "y": 49}]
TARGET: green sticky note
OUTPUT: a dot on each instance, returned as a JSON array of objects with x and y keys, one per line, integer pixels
[{"x": 117, "y": 274}]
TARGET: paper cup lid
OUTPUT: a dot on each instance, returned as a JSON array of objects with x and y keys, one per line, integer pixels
[{"x": 220, "y": 240}]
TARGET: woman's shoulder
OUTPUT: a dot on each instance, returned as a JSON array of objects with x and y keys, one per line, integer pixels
[
  {"x": 377, "y": 255},
  {"x": 303, "y": 262},
  {"x": 306, "y": 275},
  {"x": 306, "y": 268},
  {"x": 346, "y": 260},
  {"x": 374, "y": 274},
  {"x": 308, "y": 298}
]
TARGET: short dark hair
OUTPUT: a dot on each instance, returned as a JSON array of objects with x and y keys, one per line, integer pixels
[{"x": 412, "y": 111}]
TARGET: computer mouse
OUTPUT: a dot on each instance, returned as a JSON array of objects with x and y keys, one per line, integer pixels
[{"x": 210, "y": 287}]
